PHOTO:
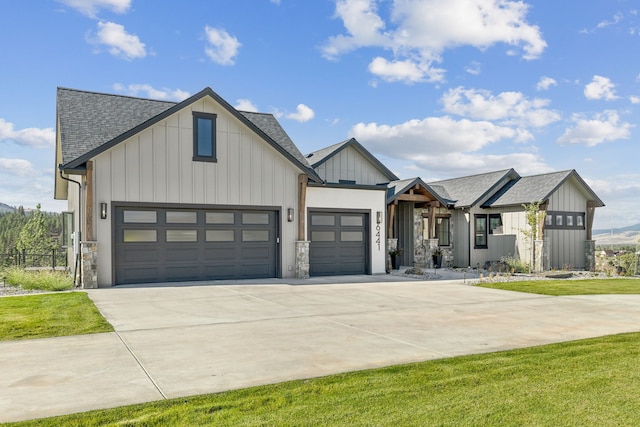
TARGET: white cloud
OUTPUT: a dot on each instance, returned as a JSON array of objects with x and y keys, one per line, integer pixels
[
  {"x": 474, "y": 68},
  {"x": 419, "y": 31},
  {"x": 511, "y": 108},
  {"x": 545, "y": 83},
  {"x": 91, "y": 7},
  {"x": 634, "y": 99},
  {"x": 222, "y": 48},
  {"x": 148, "y": 91},
  {"x": 302, "y": 114},
  {"x": 600, "y": 88},
  {"x": 455, "y": 165},
  {"x": 29, "y": 137},
  {"x": 432, "y": 136},
  {"x": 120, "y": 43},
  {"x": 604, "y": 127},
  {"x": 16, "y": 167},
  {"x": 404, "y": 71},
  {"x": 246, "y": 105},
  {"x": 616, "y": 19}
]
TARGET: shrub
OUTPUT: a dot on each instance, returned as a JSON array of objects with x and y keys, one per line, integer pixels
[
  {"x": 39, "y": 279},
  {"x": 516, "y": 265}
]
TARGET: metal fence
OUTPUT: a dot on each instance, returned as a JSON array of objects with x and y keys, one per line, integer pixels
[{"x": 55, "y": 259}]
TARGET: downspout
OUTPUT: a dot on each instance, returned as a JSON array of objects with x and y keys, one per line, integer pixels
[{"x": 77, "y": 254}]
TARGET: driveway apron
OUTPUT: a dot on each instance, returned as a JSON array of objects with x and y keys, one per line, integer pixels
[{"x": 187, "y": 339}]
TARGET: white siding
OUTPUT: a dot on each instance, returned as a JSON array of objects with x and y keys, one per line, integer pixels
[
  {"x": 350, "y": 165},
  {"x": 156, "y": 166},
  {"x": 372, "y": 201},
  {"x": 567, "y": 246}
]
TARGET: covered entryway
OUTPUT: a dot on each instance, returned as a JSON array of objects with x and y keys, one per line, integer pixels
[
  {"x": 339, "y": 243},
  {"x": 153, "y": 244}
]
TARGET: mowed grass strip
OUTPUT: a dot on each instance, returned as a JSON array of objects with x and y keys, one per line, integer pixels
[
  {"x": 586, "y": 382},
  {"x": 569, "y": 287},
  {"x": 49, "y": 315}
]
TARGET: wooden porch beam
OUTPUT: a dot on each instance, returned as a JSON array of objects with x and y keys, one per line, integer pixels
[
  {"x": 413, "y": 198},
  {"x": 392, "y": 213},
  {"x": 89, "y": 202},
  {"x": 303, "y": 180}
]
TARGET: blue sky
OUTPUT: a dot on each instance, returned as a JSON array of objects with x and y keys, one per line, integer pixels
[{"x": 435, "y": 89}]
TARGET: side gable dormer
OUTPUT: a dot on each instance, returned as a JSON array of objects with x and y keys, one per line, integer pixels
[{"x": 348, "y": 162}]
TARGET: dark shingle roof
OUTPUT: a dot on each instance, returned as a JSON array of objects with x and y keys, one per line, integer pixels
[
  {"x": 530, "y": 189},
  {"x": 91, "y": 122},
  {"x": 469, "y": 190},
  {"x": 88, "y": 119},
  {"x": 269, "y": 125},
  {"x": 396, "y": 188}
]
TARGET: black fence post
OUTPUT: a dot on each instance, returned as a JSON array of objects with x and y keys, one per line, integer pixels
[{"x": 53, "y": 259}]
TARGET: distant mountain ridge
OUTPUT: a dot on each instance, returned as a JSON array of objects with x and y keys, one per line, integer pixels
[
  {"x": 618, "y": 236},
  {"x": 635, "y": 227},
  {"x": 6, "y": 208}
]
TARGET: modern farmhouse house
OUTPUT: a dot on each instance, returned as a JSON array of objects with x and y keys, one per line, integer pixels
[{"x": 162, "y": 191}]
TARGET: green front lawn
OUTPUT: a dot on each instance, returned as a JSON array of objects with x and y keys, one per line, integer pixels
[
  {"x": 570, "y": 287},
  {"x": 588, "y": 382},
  {"x": 49, "y": 315}
]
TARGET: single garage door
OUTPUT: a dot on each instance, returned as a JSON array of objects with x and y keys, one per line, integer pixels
[
  {"x": 339, "y": 243},
  {"x": 171, "y": 244}
]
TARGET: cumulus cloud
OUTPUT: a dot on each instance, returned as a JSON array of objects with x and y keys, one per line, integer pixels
[
  {"x": 634, "y": 99},
  {"x": 119, "y": 43},
  {"x": 600, "y": 88},
  {"x": 29, "y": 137},
  {"x": 90, "y": 8},
  {"x": 16, "y": 167},
  {"x": 510, "y": 108},
  {"x": 464, "y": 164},
  {"x": 603, "y": 127},
  {"x": 246, "y": 105},
  {"x": 222, "y": 48},
  {"x": 545, "y": 83},
  {"x": 148, "y": 91},
  {"x": 302, "y": 114},
  {"x": 431, "y": 136},
  {"x": 417, "y": 32}
]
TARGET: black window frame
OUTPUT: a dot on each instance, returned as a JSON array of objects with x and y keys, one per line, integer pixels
[
  {"x": 494, "y": 216},
  {"x": 578, "y": 220},
  {"x": 484, "y": 233},
  {"x": 197, "y": 157},
  {"x": 443, "y": 218}
]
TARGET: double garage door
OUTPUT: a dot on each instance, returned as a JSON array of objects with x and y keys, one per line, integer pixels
[
  {"x": 339, "y": 243},
  {"x": 175, "y": 244}
]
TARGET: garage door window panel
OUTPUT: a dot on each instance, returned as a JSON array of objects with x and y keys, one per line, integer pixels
[
  {"x": 328, "y": 220},
  {"x": 255, "y": 218},
  {"x": 140, "y": 236},
  {"x": 220, "y": 236},
  {"x": 351, "y": 221},
  {"x": 139, "y": 217},
  {"x": 182, "y": 217},
  {"x": 182, "y": 236},
  {"x": 255, "y": 235},
  {"x": 220, "y": 218},
  {"x": 323, "y": 236},
  {"x": 351, "y": 236}
]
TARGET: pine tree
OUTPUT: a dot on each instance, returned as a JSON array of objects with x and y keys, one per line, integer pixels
[{"x": 34, "y": 236}]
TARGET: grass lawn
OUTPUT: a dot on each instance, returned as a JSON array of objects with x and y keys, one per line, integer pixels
[
  {"x": 49, "y": 315},
  {"x": 570, "y": 287},
  {"x": 586, "y": 382}
]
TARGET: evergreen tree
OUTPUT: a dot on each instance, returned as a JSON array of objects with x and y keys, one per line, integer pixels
[{"x": 35, "y": 236}]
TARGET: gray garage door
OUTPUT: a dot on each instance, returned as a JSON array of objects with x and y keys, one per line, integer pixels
[
  {"x": 339, "y": 243},
  {"x": 170, "y": 244}
]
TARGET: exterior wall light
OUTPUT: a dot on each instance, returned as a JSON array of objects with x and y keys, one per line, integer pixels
[
  {"x": 379, "y": 217},
  {"x": 103, "y": 211},
  {"x": 290, "y": 215}
]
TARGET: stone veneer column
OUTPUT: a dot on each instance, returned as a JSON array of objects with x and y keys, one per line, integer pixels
[
  {"x": 302, "y": 259},
  {"x": 432, "y": 245},
  {"x": 419, "y": 250},
  {"x": 539, "y": 254},
  {"x": 89, "y": 264},
  {"x": 590, "y": 255},
  {"x": 392, "y": 245}
]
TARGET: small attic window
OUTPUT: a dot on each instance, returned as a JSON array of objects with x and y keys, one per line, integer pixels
[{"x": 204, "y": 137}]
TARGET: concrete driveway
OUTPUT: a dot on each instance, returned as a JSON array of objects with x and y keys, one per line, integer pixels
[{"x": 180, "y": 340}]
